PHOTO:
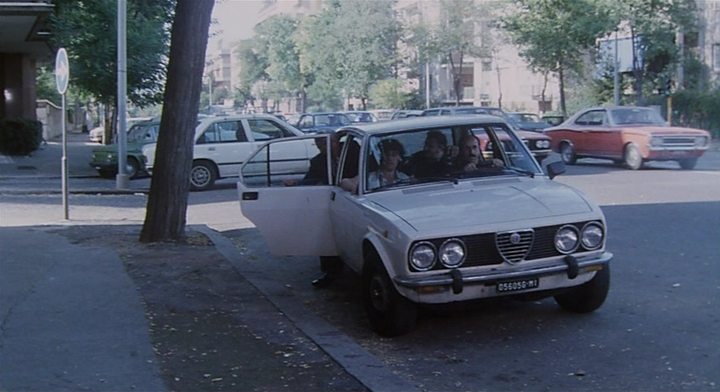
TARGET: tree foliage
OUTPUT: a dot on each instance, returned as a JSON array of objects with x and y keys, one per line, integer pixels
[
  {"x": 88, "y": 30},
  {"x": 555, "y": 35},
  {"x": 390, "y": 93}
]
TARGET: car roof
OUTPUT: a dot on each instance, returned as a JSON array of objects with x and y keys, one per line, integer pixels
[
  {"x": 202, "y": 123},
  {"x": 405, "y": 124}
]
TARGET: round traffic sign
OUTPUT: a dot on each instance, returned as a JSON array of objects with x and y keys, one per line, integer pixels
[{"x": 62, "y": 71}]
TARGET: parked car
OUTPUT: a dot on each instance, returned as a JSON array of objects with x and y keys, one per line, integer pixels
[
  {"x": 105, "y": 158},
  {"x": 627, "y": 135},
  {"x": 405, "y": 113},
  {"x": 382, "y": 114},
  {"x": 326, "y": 122},
  {"x": 538, "y": 144},
  {"x": 504, "y": 229},
  {"x": 358, "y": 116},
  {"x": 527, "y": 121},
  {"x": 553, "y": 119},
  {"x": 96, "y": 134},
  {"x": 222, "y": 144}
]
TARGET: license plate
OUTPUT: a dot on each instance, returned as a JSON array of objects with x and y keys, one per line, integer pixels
[{"x": 517, "y": 285}]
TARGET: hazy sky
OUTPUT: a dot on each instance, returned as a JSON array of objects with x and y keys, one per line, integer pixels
[{"x": 233, "y": 20}]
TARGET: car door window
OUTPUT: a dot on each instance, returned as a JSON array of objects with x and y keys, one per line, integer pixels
[
  {"x": 223, "y": 132},
  {"x": 287, "y": 162},
  {"x": 594, "y": 117},
  {"x": 263, "y": 130}
]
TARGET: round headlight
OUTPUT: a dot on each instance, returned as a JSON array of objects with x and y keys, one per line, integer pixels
[
  {"x": 543, "y": 144},
  {"x": 422, "y": 256},
  {"x": 700, "y": 141},
  {"x": 452, "y": 253},
  {"x": 566, "y": 239},
  {"x": 656, "y": 141},
  {"x": 592, "y": 236}
]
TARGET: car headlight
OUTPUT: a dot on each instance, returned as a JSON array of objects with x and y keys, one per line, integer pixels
[
  {"x": 545, "y": 143},
  {"x": 700, "y": 141},
  {"x": 566, "y": 239},
  {"x": 422, "y": 256},
  {"x": 452, "y": 253},
  {"x": 656, "y": 141},
  {"x": 592, "y": 236}
]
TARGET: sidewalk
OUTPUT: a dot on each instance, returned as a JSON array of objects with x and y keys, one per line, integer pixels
[
  {"x": 89, "y": 307},
  {"x": 40, "y": 172}
]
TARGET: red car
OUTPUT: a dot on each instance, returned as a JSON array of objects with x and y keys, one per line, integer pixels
[{"x": 627, "y": 135}]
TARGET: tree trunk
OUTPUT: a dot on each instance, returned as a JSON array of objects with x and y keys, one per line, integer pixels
[{"x": 167, "y": 204}]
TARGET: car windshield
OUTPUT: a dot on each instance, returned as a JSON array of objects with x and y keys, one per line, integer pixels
[
  {"x": 447, "y": 154},
  {"x": 629, "y": 116}
]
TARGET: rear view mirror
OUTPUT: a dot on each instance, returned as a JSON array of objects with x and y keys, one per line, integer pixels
[{"x": 555, "y": 168}]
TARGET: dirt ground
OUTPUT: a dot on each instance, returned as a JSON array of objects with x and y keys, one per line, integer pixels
[{"x": 210, "y": 329}]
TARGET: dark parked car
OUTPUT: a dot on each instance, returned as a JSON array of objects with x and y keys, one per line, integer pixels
[
  {"x": 359, "y": 116},
  {"x": 322, "y": 122},
  {"x": 405, "y": 114},
  {"x": 527, "y": 121},
  {"x": 105, "y": 158}
]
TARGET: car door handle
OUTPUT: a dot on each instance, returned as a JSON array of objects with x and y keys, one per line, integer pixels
[
  {"x": 332, "y": 196},
  {"x": 211, "y": 148},
  {"x": 249, "y": 195}
]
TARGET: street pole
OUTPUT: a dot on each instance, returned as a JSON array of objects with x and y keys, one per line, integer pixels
[
  {"x": 122, "y": 180},
  {"x": 62, "y": 78},
  {"x": 64, "y": 162},
  {"x": 427, "y": 85},
  {"x": 616, "y": 74}
]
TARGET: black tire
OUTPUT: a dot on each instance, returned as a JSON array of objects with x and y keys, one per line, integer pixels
[
  {"x": 567, "y": 153},
  {"x": 632, "y": 158},
  {"x": 390, "y": 314},
  {"x": 202, "y": 175},
  {"x": 132, "y": 167},
  {"x": 688, "y": 164},
  {"x": 588, "y": 296},
  {"x": 105, "y": 173}
]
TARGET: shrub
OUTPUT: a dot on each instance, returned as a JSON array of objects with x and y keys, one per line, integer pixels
[{"x": 19, "y": 136}]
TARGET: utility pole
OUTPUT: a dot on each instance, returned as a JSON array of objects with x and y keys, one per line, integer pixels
[
  {"x": 616, "y": 73},
  {"x": 122, "y": 180}
]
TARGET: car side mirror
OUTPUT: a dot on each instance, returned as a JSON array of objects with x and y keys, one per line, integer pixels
[{"x": 555, "y": 168}]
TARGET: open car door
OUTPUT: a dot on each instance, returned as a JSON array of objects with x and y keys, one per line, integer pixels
[{"x": 285, "y": 191}]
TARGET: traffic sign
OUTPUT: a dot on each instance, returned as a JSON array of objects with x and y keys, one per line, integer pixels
[{"x": 62, "y": 71}]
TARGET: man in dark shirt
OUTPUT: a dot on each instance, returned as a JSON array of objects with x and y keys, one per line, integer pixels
[{"x": 433, "y": 160}]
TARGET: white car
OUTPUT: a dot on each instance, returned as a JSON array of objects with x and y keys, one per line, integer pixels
[
  {"x": 499, "y": 228},
  {"x": 222, "y": 144}
]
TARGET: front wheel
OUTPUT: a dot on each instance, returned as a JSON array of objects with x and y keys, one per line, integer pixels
[
  {"x": 132, "y": 167},
  {"x": 632, "y": 157},
  {"x": 567, "y": 154},
  {"x": 390, "y": 314},
  {"x": 588, "y": 296},
  {"x": 688, "y": 164},
  {"x": 202, "y": 176}
]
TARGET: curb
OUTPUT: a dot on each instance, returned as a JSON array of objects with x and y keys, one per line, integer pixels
[{"x": 358, "y": 362}]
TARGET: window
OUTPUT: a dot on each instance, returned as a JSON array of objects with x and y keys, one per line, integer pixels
[
  {"x": 594, "y": 117},
  {"x": 223, "y": 132},
  {"x": 306, "y": 122},
  {"x": 266, "y": 130}
]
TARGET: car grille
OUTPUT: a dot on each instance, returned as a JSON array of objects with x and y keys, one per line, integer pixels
[
  {"x": 496, "y": 248},
  {"x": 514, "y": 246},
  {"x": 678, "y": 142}
]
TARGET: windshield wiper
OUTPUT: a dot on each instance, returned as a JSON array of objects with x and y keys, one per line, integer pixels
[
  {"x": 528, "y": 173},
  {"x": 413, "y": 181}
]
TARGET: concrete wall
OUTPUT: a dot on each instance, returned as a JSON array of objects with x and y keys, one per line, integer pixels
[{"x": 50, "y": 115}]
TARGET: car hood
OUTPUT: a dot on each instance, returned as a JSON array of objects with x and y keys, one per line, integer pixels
[
  {"x": 662, "y": 130},
  {"x": 485, "y": 202},
  {"x": 113, "y": 148},
  {"x": 531, "y": 126}
]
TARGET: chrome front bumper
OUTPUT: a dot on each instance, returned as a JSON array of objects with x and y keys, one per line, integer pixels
[{"x": 569, "y": 265}]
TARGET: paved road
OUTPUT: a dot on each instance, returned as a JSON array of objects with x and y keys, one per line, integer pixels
[{"x": 657, "y": 330}]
